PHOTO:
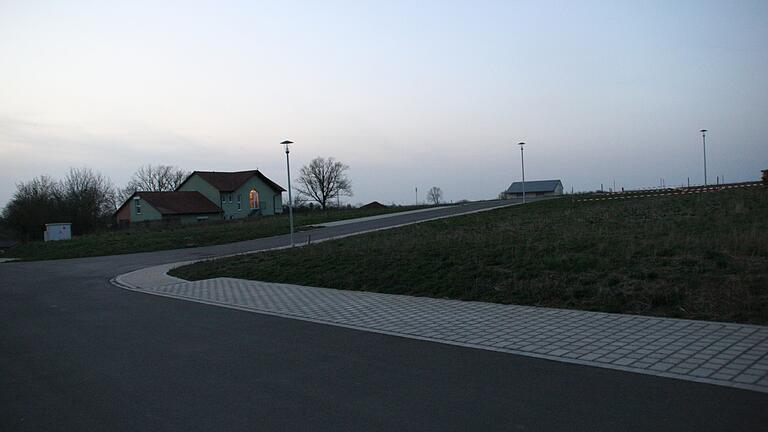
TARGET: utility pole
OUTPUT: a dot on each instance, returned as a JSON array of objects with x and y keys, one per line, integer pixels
[
  {"x": 704, "y": 145},
  {"x": 287, "y": 143},
  {"x": 417, "y": 195},
  {"x": 522, "y": 163}
]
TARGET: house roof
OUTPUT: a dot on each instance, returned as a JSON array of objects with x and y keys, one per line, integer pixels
[
  {"x": 176, "y": 203},
  {"x": 534, "y": 186},
  {"x": 230, "y": 181}
]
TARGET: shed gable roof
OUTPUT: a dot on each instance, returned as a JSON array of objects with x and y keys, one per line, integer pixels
[
  {"x": 535, "y": 186},
  {"x": 230, "y": 181}
]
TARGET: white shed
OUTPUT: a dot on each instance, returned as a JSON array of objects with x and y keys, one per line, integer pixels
[{"x": 57, "y": 231}]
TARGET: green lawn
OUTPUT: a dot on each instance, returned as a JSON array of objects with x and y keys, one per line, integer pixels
[
  {"x": 698, "y": 256},
  {"x": 179, "y": 236}
]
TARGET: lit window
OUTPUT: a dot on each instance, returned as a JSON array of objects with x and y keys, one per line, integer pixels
[{"x": 253, "y": 199}]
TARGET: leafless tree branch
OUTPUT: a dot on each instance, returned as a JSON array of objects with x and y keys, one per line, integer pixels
[
  {"x": 150, "y": 178},
  {"x": 323, "y": 180},
  {"x": 435, "y": 195}
]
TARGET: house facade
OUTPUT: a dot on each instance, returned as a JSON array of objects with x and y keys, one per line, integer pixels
[
  {"x": 205, "y": 196},
  {"x": 534, "y": 189},
  {"x": 239, "y": 194}
]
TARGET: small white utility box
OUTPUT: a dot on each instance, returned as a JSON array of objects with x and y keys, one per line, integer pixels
[{"x": 57, "y": 231}]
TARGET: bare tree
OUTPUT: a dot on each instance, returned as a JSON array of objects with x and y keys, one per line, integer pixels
[
  {"x": 88, "y": 199},
  {"x": 299, "y": 201},
  {"x": 160, "y": 178},
  {"x": 84, "y": 197},
  {"x": 323, "y": 180},
  {"x": 434, "y": 195},
  {"x": 34, "y": 204}
]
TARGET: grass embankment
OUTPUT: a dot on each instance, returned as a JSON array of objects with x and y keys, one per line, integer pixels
[
  {"x": 153, "y": 238},
  {"x": 699, "y": 256}
]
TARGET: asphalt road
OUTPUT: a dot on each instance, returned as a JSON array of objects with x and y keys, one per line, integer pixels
[{"x": 77, "y": 353}]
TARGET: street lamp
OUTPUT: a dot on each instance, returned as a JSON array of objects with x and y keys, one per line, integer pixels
[
  {"x": 522, "y": 163},
  {"x": 287, "y": 144},
  {"x": 704, "y": 144}
]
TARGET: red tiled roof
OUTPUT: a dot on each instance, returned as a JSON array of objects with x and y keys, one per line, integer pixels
[
  {"x": 173, "y": 203},
  {"x": 230, "y": 181}
]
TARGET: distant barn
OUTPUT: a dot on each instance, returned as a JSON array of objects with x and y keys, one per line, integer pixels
[{"x": 534, "y": 189}]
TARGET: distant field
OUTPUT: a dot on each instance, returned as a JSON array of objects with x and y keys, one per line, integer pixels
[
  {"x": 696, "y": 256},
  {"x": 180, "y": 236}
]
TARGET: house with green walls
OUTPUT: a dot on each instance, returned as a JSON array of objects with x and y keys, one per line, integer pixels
[
  {"x": 206, "y": 196},
  {"x": 181, "y": 207},
  {"x": 239, "y": 194}
]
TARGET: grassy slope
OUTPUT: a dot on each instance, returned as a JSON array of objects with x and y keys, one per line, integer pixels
[
  {"x": 700, "y": 257},
  {"x": 173, "y": 237}
]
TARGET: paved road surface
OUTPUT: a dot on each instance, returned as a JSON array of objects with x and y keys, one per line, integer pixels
[
  {"x": 733, "y": 355},
  {"x": 77, "y": 353}
]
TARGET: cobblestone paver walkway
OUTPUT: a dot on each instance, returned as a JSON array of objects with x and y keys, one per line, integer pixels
[{"x": 719, "y": 353}]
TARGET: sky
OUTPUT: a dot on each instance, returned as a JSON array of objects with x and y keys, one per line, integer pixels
[{"x": 408, "y": 94}]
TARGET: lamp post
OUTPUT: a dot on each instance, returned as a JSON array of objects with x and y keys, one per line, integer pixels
[
  {"x": 287, "y": 144},
  {"x": 522, "y": 163},
  {"x": 704, "y": 144}
]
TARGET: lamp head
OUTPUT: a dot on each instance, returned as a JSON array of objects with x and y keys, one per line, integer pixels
[{"x": 286, "y": 143}]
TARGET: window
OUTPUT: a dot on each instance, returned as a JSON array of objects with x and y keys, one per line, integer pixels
[
  {"x": 253, "y": 199},
  {"x": 239, "y": 204},
  {"x": 137, "y": 200}
]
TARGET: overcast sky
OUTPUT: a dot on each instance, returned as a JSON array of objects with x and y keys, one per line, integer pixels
[{"x": 409, "y": 94}]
